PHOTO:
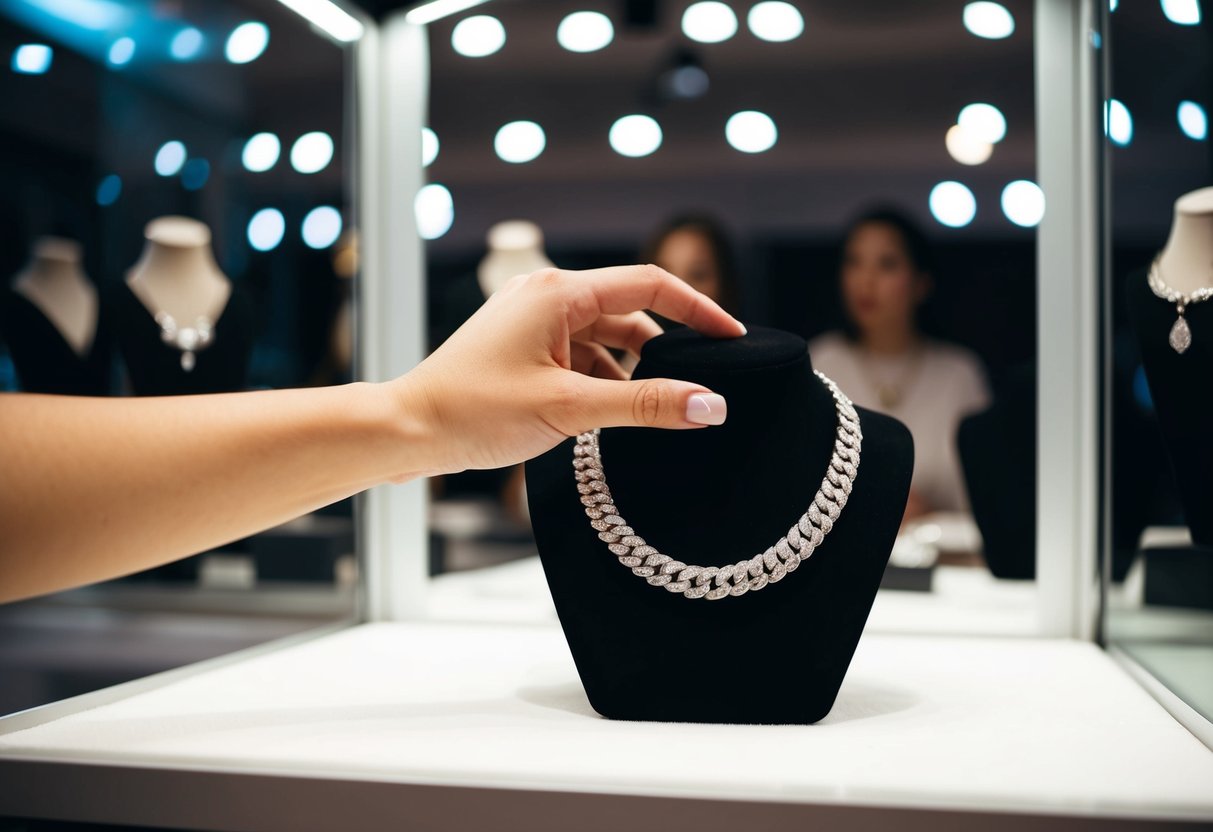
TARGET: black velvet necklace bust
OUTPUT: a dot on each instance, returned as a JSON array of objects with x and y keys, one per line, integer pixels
[
  {"x": 44, "y": 360},
  {"x": 711, "y": 497},
  {"x": 155, "y": 367},
  {"x": 1182, "y": 395}
]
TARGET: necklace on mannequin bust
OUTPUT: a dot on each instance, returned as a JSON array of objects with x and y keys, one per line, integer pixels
[
  {"x": 189, "y": 339},
  {"x": 751, "y": 574},
  {"x": 1181, "y": 334}
]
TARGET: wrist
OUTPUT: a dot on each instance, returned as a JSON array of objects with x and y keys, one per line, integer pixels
[{"x": 406, "y": 421}]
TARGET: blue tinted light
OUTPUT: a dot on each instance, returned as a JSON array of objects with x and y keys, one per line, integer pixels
[
  {"x": 266, "y": 228},
  {"x": 1193, "y": 120},
  {"x": 195, "y": 173},
  {"x": 32, "y": 58},
  {"x": 186, "y": 44},
  {"x": 109, "y": 189},
  {"x": 121, "y": 52}
]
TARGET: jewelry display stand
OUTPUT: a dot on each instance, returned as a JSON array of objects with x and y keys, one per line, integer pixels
[
  {"x": 712, "y": 497},
  {"x": 50, "y": 319},
  {"x": 1179, "y": 381},
  {"x": 181, "y": 325}
]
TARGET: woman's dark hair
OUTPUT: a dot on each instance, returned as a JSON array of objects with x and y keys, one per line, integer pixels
[
  {"x": 917, "y": 246},
  {"x": 718, "y": 241}
]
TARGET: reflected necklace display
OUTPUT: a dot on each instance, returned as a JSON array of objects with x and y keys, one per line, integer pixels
[
  {"x": 188, "y": 339},
  {"x": 747, "y": 575},
  {"x": 1181, "y": 334}
]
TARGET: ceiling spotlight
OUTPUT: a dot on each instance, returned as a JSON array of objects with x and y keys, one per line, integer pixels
[
  {"x": 261, "y": 152},
  {"x": 709, "y": 22},
  {"x": 751, "y": 131},
  {"x": 170, "y": 158},
  {"x": 321, "y": 227},
  {"x": 952, "y": 204},
  {"x": 1024, "y": 203},
  {"x": 32, "y": 59},
  {"x": 435, "y": 211},
  {"x": 266, "y": 229},
  {"x": 519, "y": 142},
  {"x": 478, "y": 36},
  {"x": 635, "y": 136},
  {"x": 984, "y": 122},
  {"x": 1182, "y": 12},
  {"x": 429, "y": 147},
  {"x": 966, "y": 148},
  {"x": 1118, "y": 122},
  {"x": 775, "y": 21},
  {"x": 186, "y": 44},
  {"x": 312, "y": 152},
  {"x": 121, "y": 52},
  {"x": 988, "y": 20},
  {"x": 1193, "y": 121},
  {"x": 585, "y": 32},
  {"x": 246, "y": 42}
]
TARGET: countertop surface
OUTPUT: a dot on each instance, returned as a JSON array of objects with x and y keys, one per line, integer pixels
[{"x": 973, "y": 723}]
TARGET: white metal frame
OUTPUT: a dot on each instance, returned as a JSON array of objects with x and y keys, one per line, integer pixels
[
  {"x": 393, "y": 84},
  {"x": 393, "y": 71}
]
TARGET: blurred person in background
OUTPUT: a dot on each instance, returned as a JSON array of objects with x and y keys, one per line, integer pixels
[
  {"x": 885, "y": 363},
  {"x": 696, "y": 248}
]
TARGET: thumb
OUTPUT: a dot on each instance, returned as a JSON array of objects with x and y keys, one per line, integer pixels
[{"x": 651, "y": 402}]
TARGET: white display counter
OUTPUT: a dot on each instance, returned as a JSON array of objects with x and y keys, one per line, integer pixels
[{"x": 475, "y": 726}]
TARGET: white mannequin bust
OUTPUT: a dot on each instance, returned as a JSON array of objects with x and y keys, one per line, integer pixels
[
  {"x": 55, "y": 283},
  {"x": 177, "y": 273},
  {"x": 515, "y": 247},
  {"x": 1186, "y": 262}
]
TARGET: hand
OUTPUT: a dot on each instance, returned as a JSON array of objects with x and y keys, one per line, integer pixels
[{"x": 531, "y": 368}]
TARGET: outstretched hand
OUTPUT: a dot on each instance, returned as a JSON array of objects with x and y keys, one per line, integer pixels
[{"x": 532, "y": 368}]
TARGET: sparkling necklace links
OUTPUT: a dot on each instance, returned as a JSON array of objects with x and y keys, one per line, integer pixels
[
  {"x": 750, "y": 574},
  {"x": 1180, "y": 337}
]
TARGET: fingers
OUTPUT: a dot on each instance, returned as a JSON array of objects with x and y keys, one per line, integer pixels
[
  {"x": 653, "y": 402},
  {"x": 594, "y": 360},
  {"x": 622, "y": 289},
  {"x": 626, "y": 332}
]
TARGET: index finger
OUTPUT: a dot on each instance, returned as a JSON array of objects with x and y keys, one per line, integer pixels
[{"x": 621, "y": 289}]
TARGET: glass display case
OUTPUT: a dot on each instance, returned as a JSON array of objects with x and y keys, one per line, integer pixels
[
  {"x": 176, "y": 218},
  {"x": 767, "y": 149}
]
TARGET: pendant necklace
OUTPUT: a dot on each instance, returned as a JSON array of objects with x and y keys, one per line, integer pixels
[
  {"x": 891, "y": 393},
  {"x": 1181, "y": 334},
  {"x": 750, "y": 574},
  {"x": 189, "y": 339}
]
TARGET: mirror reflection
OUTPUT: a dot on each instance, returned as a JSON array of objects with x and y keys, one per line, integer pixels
[
  {"x": 860, "y": 175},
  {"x": 1159, "y": 583},
  {"x": 173, "y": 221}
]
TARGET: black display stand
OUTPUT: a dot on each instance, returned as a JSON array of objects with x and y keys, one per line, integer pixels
[
  {"x": 44, "y": 361},
  {"x": 1182, "y": 393},
  {"x": 711, "y": 497},
  {"x": 998, "y": 455},
  {"x": 155, "y": 367}
]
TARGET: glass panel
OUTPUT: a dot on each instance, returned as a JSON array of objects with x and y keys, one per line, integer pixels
[
  {"x": 857, "y": 174},
  {"x": 175, "y": 189},
  {"x": 1160, "y": 559}
]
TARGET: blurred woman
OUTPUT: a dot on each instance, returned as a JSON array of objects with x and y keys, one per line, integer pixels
[
  {"x": 884, "y": 362},
  {"x": 696, "y": 248}
]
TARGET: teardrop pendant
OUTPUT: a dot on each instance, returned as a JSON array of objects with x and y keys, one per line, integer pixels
[{"x": 1181, "y": 336}]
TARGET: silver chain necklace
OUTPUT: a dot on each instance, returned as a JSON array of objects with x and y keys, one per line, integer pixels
[
  {"x": 1181, "y": 334},
  {"x": 751, "y": 574}
]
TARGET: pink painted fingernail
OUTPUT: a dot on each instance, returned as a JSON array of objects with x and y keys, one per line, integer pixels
[{"x": 707, "y": 409}]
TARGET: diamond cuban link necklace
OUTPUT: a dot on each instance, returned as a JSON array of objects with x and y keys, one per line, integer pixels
[
  {"x": 1181, "y": 334},
  {"x": 747, "y": 575}
]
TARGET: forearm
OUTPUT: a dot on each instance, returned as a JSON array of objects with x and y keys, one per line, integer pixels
[{"x": 95, "y": 488}]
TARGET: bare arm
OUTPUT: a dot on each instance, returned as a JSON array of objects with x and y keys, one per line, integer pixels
[{"x": 95, "y": 488}]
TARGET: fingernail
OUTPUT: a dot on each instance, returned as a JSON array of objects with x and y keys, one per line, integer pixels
[
  {"x": 744, "y": 331},
  {"x": 707, "y": 409}
]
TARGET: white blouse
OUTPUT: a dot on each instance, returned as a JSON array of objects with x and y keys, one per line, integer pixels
[{"x": 938, "y": 386}]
